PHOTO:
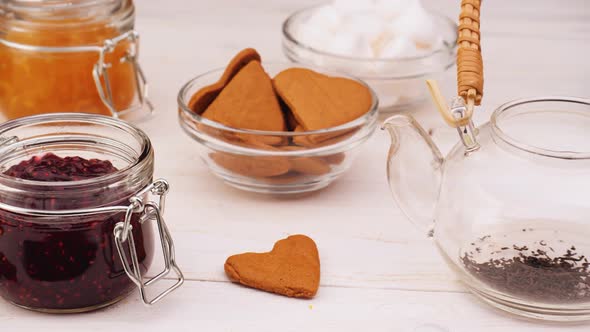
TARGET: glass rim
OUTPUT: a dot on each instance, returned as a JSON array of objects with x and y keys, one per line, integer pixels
[
  {"x": 289, "y": 36},
  {"x": 501, "y": 134},
  {"x": 58, "y": 4},
  {"x": 61, "y": 14},
  {"x": 139, "y": 162}
]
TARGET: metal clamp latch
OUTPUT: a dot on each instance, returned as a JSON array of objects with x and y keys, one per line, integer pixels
[
  {"x": 122, "y": 232},
  {"x": 467, "y": 131},
  {"x": 101, "y": 74}
]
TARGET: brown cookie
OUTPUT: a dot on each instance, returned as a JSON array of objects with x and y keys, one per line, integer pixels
[
  {"x": 335, "y": 159},
  {"x": 233, "y": 137},
  {"x": 287, "y": 178},
  {"x": 248, "y": 101},
  {"x": 264, "y": 139},
  {"x": 252, "y": 166},
  {"x": 307, "y": 165},
  {"x": 289, "y": 118},
  {"x": 319, "y": 140},
  {"x": 318, "y": 101},
  {"x": 205, "y": 96},
  {"x": 292, "y": 268}
]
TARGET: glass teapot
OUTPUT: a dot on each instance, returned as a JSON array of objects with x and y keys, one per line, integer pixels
[{"x": 509, "y": 207}]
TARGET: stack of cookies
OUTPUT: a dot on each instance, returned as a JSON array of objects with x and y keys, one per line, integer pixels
[{"x": 294, "y": 102}]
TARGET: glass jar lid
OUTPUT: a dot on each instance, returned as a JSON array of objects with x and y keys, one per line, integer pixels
[{"x": 60, "y": 10}]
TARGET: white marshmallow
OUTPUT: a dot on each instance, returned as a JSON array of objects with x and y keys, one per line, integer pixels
[
  {"x": 390, "y": 9},
  {"x": 363, "y": 25},
  {"x": 353, "y": 6},
  {"x": 399, "y": 47},
  {"x": 350, "y": 45},
  {"x": 371, "y": 28},
  {"x": 417, "y": 24},
  {"x": 319, "y": 28},
  {"x": 313, "y": 36},
  {"x": 325, "y": 17}
]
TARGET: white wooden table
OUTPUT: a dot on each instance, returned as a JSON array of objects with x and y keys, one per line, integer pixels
[{"x": 378, "y": 272}]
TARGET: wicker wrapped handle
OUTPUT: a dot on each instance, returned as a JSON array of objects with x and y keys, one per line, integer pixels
[{"x": 469, "y": 59}]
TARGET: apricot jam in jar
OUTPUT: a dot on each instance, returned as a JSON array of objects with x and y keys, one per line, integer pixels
[
  {"x": 79, "y": 210},
  {"x": 70, "y": 56}
]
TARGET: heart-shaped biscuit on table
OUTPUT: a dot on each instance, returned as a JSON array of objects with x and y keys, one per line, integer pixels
[
  {"x": 318, "y": 101},
  {"x": 205, "y": 96},
  {"x": 292, "y": 268}
]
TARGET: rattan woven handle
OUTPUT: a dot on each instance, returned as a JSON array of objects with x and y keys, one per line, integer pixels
[{"x": 469, "y": 60}]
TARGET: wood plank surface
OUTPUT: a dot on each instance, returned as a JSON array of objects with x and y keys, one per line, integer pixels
[{"x": 378, "y": 272}]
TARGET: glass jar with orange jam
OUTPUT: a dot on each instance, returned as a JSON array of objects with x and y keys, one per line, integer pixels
[{"x": 69, "y": 56}]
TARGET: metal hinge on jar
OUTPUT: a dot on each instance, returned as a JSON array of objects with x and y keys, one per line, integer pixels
[
  {"x": 148, "y": 211},
  {"x": 101, "y": 74}
]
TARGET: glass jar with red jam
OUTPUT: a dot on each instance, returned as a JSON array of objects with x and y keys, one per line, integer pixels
[
  {"x": 78, "y": 56},
  {"x": 79, "y": 213}
]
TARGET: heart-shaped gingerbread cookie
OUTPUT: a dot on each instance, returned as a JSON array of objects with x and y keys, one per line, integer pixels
[
  {"x": 248, "y": 101},
  {"x": 205, "y": 96},
  {"x": 318, "y": 101},
  {"x": 292, "y": 268}
]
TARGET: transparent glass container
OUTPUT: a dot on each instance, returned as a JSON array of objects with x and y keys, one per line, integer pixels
[
  {"x": 398, "y": 82},
  {"x": 79, "y": 245},
  {"x": 70, "y": 56},
  {"x": 274, "y": 162},
  {"x": 509, "y": 206}
]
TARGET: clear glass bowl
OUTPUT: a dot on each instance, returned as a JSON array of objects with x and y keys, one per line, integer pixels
[
  {"x": 398, "y": 82},
  {"x": 274, "y": 162}
]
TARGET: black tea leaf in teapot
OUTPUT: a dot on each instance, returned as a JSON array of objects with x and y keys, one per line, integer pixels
[{"x": 536, "y": 272}]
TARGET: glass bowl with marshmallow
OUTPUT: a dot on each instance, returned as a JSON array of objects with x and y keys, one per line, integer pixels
[{"x": 393, "y": 45}]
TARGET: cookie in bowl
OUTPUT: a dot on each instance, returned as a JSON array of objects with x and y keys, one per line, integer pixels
[{"x": 275, "y": 128}]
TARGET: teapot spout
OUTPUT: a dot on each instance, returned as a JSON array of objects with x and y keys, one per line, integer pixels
[{"x": 414, "y": 170}]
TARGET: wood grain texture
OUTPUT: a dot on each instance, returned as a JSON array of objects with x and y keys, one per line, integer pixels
[{"x": 378, "y": 272}]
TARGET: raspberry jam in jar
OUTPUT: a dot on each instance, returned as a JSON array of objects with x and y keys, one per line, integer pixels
[
  {"x": 79, "y": 56},
  {"x": 78, "y": 213}
]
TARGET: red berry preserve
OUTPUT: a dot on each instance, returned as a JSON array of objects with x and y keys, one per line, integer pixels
[{"x": 74, "y": 208}]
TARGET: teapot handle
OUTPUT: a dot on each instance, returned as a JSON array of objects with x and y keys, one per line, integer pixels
[
  {"x": 470, "y": 78},
  {"x": 414, "y": 170}
]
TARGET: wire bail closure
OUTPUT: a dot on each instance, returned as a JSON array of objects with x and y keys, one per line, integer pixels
[
  {"x": 122, "y": 232},
  {"x": 466, "y": 130},
  {"x": 458, "y": 116},
  {"x": 101, "y": 75}
]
